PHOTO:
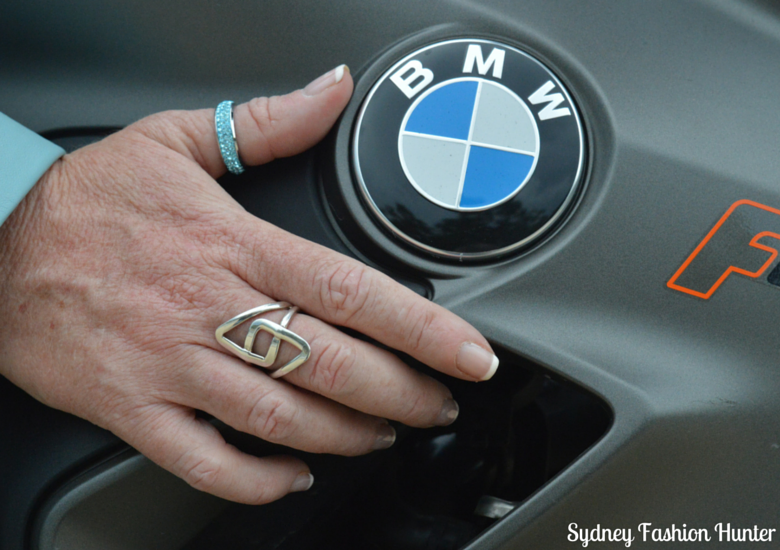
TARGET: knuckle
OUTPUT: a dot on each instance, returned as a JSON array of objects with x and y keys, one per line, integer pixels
[
  {"x": 417, "y": 411},
  {"x": 419, "y": 330},
  {"x": 332, "y": 369},
  {"x": 166, "y": 123},
  {"x": 263, "y": 494},
  {"x": 169, "y": 120},
  {"x": 272, "y": 417},
  {"x": 154, "y": 124},
  {"x": 344, "y": 289},
  {"x": 260, "y": 109},
  {"x": 184, "y": 131},
  {"x": 201, "y": 472}
]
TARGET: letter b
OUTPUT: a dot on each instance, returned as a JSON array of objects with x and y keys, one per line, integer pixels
[{"x": 404, "y": 83}]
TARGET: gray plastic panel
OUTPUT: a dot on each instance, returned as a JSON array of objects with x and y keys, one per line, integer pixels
[
  {"x": 127, "y": 503},
  {"x": 680, "y": 99}
]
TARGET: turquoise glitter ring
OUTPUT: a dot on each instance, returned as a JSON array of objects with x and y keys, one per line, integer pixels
[{"x": 226, "y": 135}]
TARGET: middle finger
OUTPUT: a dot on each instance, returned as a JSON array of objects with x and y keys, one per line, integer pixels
[
  {"x": 366, "y": 378},
  {"x": 347, "y": 370}
]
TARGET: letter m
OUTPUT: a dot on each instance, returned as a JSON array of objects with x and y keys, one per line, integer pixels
[
  {"x": 737, "y": 244},
  {"x": 474, "y": 55}
]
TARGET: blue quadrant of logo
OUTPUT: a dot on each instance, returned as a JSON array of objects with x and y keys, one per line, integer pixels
[
  {"x": 492, "y": 175},
  {"x": 445, "y": 112}
]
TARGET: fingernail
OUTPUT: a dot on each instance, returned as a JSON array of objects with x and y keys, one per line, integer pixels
[
  {"x": 449, "y": 412},
  {"x": 476, "y": 362},
  {"x": 385, "y": 437},
  {"x": 331, "y": 78},
  {"x": 302, "y": 483}
]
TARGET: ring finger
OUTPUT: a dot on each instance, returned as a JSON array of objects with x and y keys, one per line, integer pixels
[
  {"x": 367, "y": 378},
  {"x": 254, "y": 403},
  {"x": 350, "y": 371}
]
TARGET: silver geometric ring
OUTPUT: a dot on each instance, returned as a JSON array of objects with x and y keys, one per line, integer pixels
[{"x": 279, "y": 331}]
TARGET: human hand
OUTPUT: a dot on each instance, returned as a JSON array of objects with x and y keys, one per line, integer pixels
[{"x": 126, "y": 256}]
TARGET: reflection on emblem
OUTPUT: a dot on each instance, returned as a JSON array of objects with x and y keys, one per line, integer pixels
[{"x": 468, "y": 149}]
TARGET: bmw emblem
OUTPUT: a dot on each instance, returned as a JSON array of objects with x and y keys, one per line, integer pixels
[{"x": 468, "y": 149}]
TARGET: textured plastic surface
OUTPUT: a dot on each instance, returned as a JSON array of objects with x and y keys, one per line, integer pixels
[
  {"x": 679, "y": 97},
  {"x": 126, "y": 503}
]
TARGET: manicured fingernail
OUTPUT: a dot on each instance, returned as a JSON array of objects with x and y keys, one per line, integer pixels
[
  {"x": 476, "y": 362},
  {"x": 302, "y": 483},
  {"x": 385, "y": 437},
  {"x": 448, "y": 414},
  {"x": 331, "y": 78}
]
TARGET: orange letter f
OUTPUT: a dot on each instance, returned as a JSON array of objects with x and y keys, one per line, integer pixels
[{"x": 734, "y": 245}]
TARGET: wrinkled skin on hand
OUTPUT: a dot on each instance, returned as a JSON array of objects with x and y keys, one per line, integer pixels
[{"x": 125, "y": 257}]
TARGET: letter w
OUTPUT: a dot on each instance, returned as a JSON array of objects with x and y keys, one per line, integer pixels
[
  {"x": 550, "y": 110},
  {"x": 734, "y": 245}
]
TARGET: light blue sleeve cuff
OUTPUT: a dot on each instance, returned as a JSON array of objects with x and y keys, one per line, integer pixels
[{"x": 24, "y": 158}]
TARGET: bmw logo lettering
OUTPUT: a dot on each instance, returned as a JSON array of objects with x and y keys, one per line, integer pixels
[{"x": 468, "y": 149}]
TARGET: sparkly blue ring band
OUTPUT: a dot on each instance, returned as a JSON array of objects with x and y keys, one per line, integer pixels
[{"x": 226, "y": 135}]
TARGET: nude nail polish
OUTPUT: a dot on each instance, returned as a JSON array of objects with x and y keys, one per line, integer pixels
[
  {"x": 449, "y": 413},
  {"x": 303, "y": 482},
  {"x": 385, "y": 437},
  {"x": 476, "y": 362},
  {"x": 331, "y": 78}
]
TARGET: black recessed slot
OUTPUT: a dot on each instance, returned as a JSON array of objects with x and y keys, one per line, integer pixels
[{"x": 514, "y": 433}]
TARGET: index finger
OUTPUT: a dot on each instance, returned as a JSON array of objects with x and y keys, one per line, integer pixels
[{"x": 345, "y": 292}]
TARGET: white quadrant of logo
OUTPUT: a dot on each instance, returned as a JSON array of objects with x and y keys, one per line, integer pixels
[{"x": 468, "y": 144}]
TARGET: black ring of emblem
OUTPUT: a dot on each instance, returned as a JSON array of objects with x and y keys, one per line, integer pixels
[{"x": 439, "y": 231}]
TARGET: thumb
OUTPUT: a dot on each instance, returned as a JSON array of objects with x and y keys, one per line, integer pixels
[{"x": 266, "y": 127}]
